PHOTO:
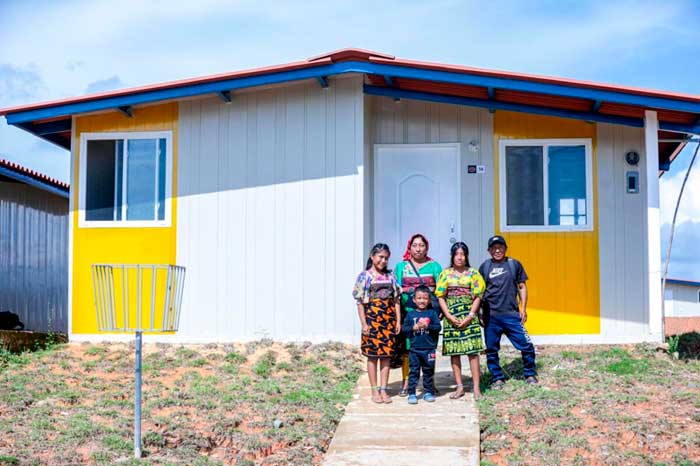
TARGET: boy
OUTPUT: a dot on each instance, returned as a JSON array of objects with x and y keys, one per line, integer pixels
[
  {"x": 505, "y": 282},
  {"x": 422, "y": 327}
]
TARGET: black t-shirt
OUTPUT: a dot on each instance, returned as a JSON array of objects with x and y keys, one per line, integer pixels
[{"x": 501, "y": 289}]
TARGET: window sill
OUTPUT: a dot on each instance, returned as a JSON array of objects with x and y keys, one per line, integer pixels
[{"x": 124, "y": 224}]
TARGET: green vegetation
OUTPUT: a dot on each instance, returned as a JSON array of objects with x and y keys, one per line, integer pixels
[
  {"x": 250, "y": 404},
  {"x": 632, "y": 405}
]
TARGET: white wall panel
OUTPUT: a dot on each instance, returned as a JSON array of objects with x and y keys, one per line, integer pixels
[
  {"x": 416, "y": 122},
  {"x": 34, "y": 256},
  {"x": 270, "y": 209},
  {"x": 682, "y": 300},
  {"x": 622, "y": 231}
]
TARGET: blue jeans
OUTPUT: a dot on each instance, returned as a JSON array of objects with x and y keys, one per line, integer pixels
[
  {"x": 510, "y": 324},
  {"x": 425, "y": 360}
]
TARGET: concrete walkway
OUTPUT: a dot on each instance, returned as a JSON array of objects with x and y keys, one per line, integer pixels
[{"x": 442, "y": 433}]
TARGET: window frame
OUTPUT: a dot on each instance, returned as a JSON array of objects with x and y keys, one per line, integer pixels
[
  {"x": 545, "y": 143},
  {"x": 125, "y": 137}
]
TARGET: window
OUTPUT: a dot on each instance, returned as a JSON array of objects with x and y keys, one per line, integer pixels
[
  {"x": 546, "y": 185},
  {"x": 125, "y": 179}
]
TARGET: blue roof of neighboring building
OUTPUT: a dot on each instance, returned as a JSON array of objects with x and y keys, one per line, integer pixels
[
  {"x": 31, "y": 177},
  {"x": 675, "y": 281}
]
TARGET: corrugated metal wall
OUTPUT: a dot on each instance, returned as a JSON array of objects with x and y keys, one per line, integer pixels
[
  {"x": 34, "y": 256},
  {"x": 270, "y": 213},
  {"x": 682, "y": 300}
]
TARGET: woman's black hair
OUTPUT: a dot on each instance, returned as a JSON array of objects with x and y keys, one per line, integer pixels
[
  {"x": 376, "y": 249},
  {"x": 453, "y": 251}
]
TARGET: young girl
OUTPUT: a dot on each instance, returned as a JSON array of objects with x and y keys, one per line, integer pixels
[
  {"x": 377, "y": 295},
  {"x": 459, "y": 290}
]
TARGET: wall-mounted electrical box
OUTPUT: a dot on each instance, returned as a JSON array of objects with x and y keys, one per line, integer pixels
[{"x": 632, "y": 182}]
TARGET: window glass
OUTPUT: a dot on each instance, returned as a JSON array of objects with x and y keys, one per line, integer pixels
[
  {"x": 567, "y": 185},
  {"x": 141, "y": 179},
  {"x": 99, "y": 183},
  {"x": 125, "y": 179},
  {"x": 524, "y": 188}
]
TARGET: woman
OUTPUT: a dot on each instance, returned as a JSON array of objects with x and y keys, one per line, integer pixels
[
  {"x": 377, "y": 295},
  {"x": 415, "y": 259},
  {"x": 459, "y": 290}
]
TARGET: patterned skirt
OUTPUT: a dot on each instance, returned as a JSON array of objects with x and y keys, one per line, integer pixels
[
  {"x": 381, "y": 320},
  {"x": 458, "y": 342}
]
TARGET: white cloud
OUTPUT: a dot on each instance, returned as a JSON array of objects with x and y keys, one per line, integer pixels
[
  {"x": 685, "y": 260},
  {"x": 104, "y": 85},
  {"x": 18, "y": 84},
  {"x": 689, "y": 208}
]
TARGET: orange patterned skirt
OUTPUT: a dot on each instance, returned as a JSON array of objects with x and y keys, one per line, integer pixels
[{"x": 381, "y": 320}]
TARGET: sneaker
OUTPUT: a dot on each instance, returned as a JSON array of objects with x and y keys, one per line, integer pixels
[
  {"x": 429, "y": 397},
  {"x": 532, "y": 380},
  {"x": 412, "y": 399},
  {"x": 498, "y": 385}
]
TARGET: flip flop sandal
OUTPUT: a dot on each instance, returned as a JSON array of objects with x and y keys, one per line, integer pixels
[
  {"x": 458, "y": 393},
  {"x": 403, "y": 392},
  {"x": 385, "y": 396},
  {"x": 377, "y": 397}
]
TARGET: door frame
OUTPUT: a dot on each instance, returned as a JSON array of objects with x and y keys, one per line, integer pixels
[{"x": 458, "y": 181}]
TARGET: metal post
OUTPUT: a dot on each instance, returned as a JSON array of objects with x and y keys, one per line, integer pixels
[{"x": 137, "y": 398}]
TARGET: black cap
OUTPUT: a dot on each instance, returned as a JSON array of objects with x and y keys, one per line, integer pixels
[{"x": 497, "y": 239}]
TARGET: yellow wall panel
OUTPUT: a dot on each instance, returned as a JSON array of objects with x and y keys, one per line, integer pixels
[
  {"x": 154, "y": 245},
  {"x": 563, "y": 267}
]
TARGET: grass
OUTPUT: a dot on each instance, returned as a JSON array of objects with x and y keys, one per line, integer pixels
[
  {"x": 630, "y": 405},
  {"x": 261, "y": 403}
]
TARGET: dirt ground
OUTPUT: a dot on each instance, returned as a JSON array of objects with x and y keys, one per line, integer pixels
[
  {"x": 260, "y": 403},
  {"x": 270, "y": 403},
  {"x": 623, "y": 405}
]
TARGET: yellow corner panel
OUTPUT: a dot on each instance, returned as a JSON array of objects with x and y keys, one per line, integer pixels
[
  {"x": 118, "y": 245},
  {"x": 563, "y": 267}
]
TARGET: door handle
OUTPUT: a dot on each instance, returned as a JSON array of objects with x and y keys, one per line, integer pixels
[{"x": 453, "y": 239}]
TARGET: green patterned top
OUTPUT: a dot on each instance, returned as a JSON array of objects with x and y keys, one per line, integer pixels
[{"x": 408, "y": 281}]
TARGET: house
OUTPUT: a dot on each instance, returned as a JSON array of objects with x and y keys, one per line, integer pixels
[
  {"x": 270, "y": 185},
  {"x": 34, "y": 248},
  {"x": 682, "y": 306}
]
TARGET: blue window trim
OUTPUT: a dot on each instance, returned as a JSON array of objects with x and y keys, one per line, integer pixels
[{"x": 395, "y": 71}]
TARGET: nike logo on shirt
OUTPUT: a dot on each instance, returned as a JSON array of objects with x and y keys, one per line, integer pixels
[{"x": 495, "y": 272}]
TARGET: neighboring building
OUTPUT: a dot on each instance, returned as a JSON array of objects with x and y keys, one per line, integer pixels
[
  {"x": 270, "y": 186},
  {"x": 34, "y": 248},
  {"x": 682, "y": 306}
]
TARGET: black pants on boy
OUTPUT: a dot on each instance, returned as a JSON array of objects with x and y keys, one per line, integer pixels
[{"x": 421, "y": 360}]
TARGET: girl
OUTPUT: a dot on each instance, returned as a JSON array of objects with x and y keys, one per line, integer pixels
[
  {"x": 377, "y": 295},
  {"x": 459, "y": 290},
  {"x": 417, "y": 268}
]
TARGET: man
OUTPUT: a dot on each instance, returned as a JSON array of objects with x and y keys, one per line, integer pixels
[{"x": 505, "y": 282}]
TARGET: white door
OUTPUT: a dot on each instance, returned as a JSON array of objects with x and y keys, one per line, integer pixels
[{"x": 416, "y": 190}]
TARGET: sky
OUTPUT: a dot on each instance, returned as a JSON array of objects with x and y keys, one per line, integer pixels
[{"x": 50, "y": 50}]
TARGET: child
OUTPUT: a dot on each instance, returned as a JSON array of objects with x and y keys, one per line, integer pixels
[
  {"x": 422, "y": 327},
  {"x": 377, "y": 295}
]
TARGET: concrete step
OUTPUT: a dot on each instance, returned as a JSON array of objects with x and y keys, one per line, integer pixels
[{"x": 445, "y": 432}]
